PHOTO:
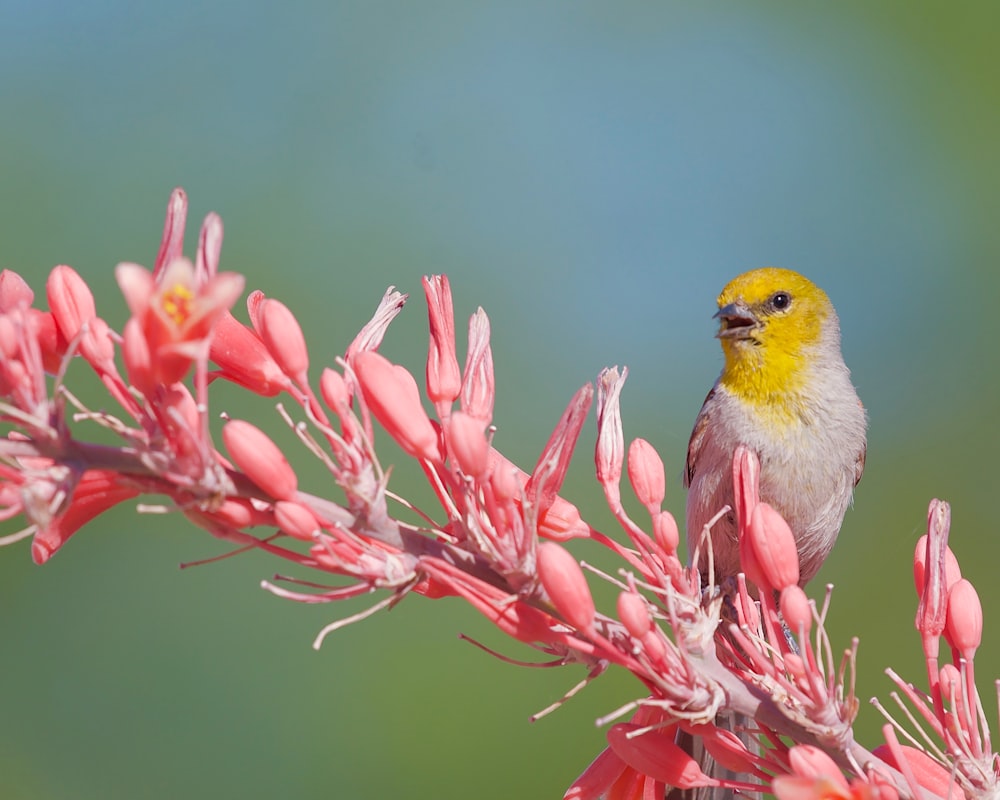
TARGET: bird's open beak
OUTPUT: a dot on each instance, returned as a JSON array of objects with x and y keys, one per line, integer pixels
[{"x": 736, "y": 321}]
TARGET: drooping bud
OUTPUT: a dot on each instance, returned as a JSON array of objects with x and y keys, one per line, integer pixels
[
  {"x": 260, "y": 458},
  {"x": 565, "y": 584}
]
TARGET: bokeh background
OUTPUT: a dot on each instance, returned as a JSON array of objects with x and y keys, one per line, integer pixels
[{"x": 590, "y": 173}]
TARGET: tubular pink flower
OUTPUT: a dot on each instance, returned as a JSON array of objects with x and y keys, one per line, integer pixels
[
  {"x": 391, "y": 393},
  {"x": 774, "y": 547},
  {"x": 281, "y": 334},
  {"x": 478, "y": 382},
  {"x": 175, "y": 314},
  {"x": 952, "y": 570},
  {"x": 655, "y": 754},
  {"x": 932, "y": 609},
  {"x": 467, "y": 442},
  {"x": 547, "y": 477},
  {"x": 333, "y": 389},
  {"x": 566, "y": 585},
  {"x": 172, "y": 242},
  {"x": 444, "y": 381},
  {"x": 260, "y": 458},
  {"x": 597, "y": 778},
  {"x": 927, "y": 772},
  {"x": 70, "y": 300},
  {"x": 244, "y": 359},
  {"x": 96, "y": 492},
  {"x": 646, "y": 474}
]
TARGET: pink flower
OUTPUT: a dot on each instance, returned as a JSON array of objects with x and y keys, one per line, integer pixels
[{"x": 172, "y": 318}]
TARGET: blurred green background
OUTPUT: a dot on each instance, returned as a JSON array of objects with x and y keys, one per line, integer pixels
[{"x": 591, "y": 174}]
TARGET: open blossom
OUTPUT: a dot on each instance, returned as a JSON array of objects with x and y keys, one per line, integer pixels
[{"x": 737, "y": 690}]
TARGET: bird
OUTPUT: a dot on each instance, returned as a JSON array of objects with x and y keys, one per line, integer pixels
[{"x": 785, "y": 393}]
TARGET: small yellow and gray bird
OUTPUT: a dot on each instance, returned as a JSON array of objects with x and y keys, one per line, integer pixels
[{"x": 785, "y": 393}]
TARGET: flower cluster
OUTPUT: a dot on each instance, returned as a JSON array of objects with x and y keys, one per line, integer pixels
[{"x": 741, "y": 688}]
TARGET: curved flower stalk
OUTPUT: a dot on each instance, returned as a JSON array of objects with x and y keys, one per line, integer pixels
[{"x": 741, "y": 689}]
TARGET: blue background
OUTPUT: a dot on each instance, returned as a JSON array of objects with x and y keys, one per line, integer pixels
[{"x": 592, "y": 175}]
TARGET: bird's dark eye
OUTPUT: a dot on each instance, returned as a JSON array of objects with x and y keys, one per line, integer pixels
[{"x": 780, "y": 301}]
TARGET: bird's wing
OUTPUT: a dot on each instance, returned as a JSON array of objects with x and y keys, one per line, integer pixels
[
  {"x": 859, "y": 465},
  {"x": 698, "y": 438}
]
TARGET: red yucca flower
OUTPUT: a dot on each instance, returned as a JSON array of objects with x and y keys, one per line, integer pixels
[{"x": 739, "y": 690}]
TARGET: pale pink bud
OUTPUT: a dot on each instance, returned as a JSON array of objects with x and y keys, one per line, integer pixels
[
  {"x": 561, "y": 522},
  {"x": 666, "y": 532},
  {"x": 260, "y": 458},
  {"x": 14, "y": 291},
  {"x": 811, "y": 762},
  {"x": 645, "y": 473},
  {"x": 652, "y": 644},
  {"x": 950, "y": 682},
  {"x": 70, "y": 300},
  {"x": 333, "y": 389},
  {"x": 172, "y": 243},
  {"x": 965, "y": 618},
  {"x": 565, "y": 585},
  {"x": 505, "y": 478},
  {"x": 444, "y": 381},
  {"x": 634, "y": 615},
  {"x": 774, "y": 547},
  {"x": 478, "y": 381},
  {"x": 467, "y": 441},
  {"x": 138, "y": 360},
  {"x": 244, "y": 360},
  {"x": 795, "y": 609},
  {"x": 392, "y": 396},
  {"x": 295, "y": 520},
  {"x": 655, "y": 754},
  {"x": 281, "y": 334}
]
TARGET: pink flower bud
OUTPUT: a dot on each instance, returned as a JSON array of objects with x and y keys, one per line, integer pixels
[
  {"x": 774, "y": 546},
  {"x": 467, "y": 441},
  {"x": 645, "y": 473},
  {"x": 610, "y": 451},
  {"x": 634, "y": 615},
  {"x": 244, "y": 360},
  {"x": 795, "y": 609},
  {"x": 260, "y": 458},
  {"x": 281, "y": 334},
  {"x": 811, "y": 762},
  {"x": 653, "y": 644},
  {"x": 565, "y": 585},
  {"x": 14, "y": 291},
  {"x": 952, "y": 570},
  {"x": 295, "y": 520},
  {"x": 333, "y": 389},
  {"x": 965, "y": 618},
  {"x": 950, "y": 682},
  {"x": 392, "y": 396},
  {"x": 666, "y": 532},
  {"x": 70, "y": 300}
]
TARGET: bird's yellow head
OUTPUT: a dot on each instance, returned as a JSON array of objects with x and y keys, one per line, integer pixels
[{"x": 773, "y": 325}]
